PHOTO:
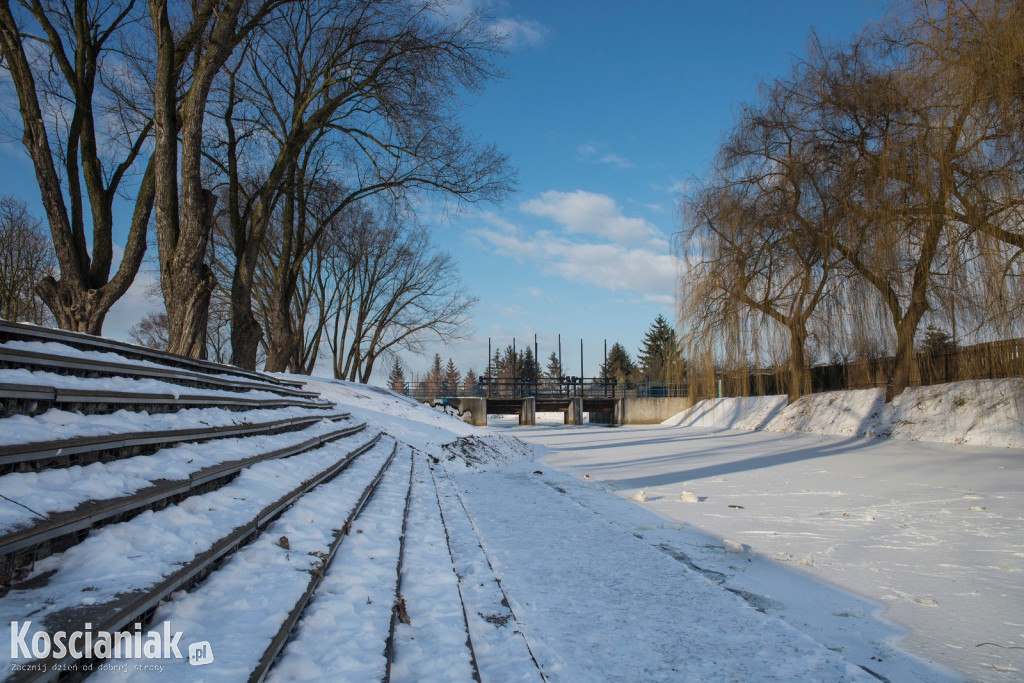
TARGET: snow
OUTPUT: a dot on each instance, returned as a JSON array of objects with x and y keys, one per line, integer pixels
[
  {"x": 63, "y": 489},
  {"x": 402, "y": 417},
  {"x": 835, "y": 539},
  {"x": 344, "y": 628},
  {"x": 928, "y": 531},
  {"x": 979, "y": 412},
  {"x": 64, "y": 424},
  {"x": 140, "y": 552},
  {"x": 599, "y": 604},
  {"x": 56, "y": 348},
  {"x": 432, "y": 646},
  {"x": 40, "y": 378},
  {"x": 309, "y": 527}
]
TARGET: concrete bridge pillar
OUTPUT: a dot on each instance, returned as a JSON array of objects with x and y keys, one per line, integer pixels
[
  {"x": 574, "y": 412},
  {"x": 478, "y": 409},
  {"x": 528, "y": 416},
  {"x": 619, "y": 412}
]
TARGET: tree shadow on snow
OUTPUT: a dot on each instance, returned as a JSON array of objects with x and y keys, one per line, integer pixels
[{"x": 783, "y": 456}]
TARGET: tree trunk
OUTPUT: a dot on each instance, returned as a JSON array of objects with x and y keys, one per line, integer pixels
[
  {"x": 184, "y": 208},
  {"x": 797, "y": 371},
  {"x": 899, "y": 377},
  {"x": 188, "y": 283},
  {"x": 85, "y": 292},
  {"x": 246, "y": 332},
  {"x": 283, "y": 341}
]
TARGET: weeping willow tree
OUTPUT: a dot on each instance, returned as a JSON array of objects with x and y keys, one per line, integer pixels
[{"x": 874, "y": 191}]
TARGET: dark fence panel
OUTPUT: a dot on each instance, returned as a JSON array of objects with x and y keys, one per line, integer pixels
[
  {"x": 568, "y": 387},
  {"x": 991, "y": 360}
]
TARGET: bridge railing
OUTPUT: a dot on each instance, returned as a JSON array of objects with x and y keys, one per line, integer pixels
[{"x": 559, "y": 387}]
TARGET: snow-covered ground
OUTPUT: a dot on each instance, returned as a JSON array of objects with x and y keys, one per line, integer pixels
[
  {"x": 864, "y": 543},
  {"x": 753, "y": 555}
]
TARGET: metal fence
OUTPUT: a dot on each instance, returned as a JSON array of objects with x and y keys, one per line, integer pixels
[
  {"x": 561, "y": 387},
  {"x": 991, "y": 360}
]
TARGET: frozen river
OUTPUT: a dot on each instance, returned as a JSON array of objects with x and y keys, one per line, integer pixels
[{"x": 931, "y": 534}]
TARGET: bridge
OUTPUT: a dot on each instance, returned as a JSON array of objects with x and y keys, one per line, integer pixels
[{"x": 606, "y": 401}]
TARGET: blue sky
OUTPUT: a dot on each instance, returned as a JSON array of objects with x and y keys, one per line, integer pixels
[{"x": 606, "y": 111}]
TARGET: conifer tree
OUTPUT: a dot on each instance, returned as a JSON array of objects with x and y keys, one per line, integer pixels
[
  {"x": 620, "y": 366},
  {"x": 529, "y": 369},
  {"x": 434, "y": 374},
  {"x": 396, "y": 378},
  {"x": 659, "y": 358},
  {"x": 554, "y": 369},
  {"x": 469, "y": 383},
  {"x": 451, "y": 378}
]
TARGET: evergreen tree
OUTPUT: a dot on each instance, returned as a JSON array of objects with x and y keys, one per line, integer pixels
[
  {"x": 554, "y": 369},
  {"x": 620, "y": 366},
  {"x": 396, "y": 378},
  {"x": 434, "y": 374},
  {"x": 660, "y": 359},
  {"x": 937, "y": 342},
  {"x": 528, "y": 369},
  {"x": 469, "y": 383},
  {"x": 450, "y": 379}
]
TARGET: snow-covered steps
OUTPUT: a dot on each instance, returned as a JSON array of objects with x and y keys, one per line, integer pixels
[
  {"x": 84, "y": 450},
  {"x": 60, "y": 428},
  {"x": 344, "y": 631},
  {"x": 433, "y": 644},
  {"x": 32, "y": 393},
  {"x": 117, "y": 576},
  {"x": 247, "y": 608},
  {"x": 67, "y": 360},
  {"x": 500, "y": 647},
  {"x": 42, "y": 513},
  {"x": 12, "y": 334}
]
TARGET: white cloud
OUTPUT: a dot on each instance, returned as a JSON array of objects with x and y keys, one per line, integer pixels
[
  {"x": 588, "y": 213},
  {"x": 514, "y": 33},
  {"x": 597, "y": 245},
  {"x": 595, "y": 152},
  {"x": 678, "y": 187},
  {"x": 616, "y": 160},
  {"x": 520, "y": 32},
  {"x": 610, "y": 267}
]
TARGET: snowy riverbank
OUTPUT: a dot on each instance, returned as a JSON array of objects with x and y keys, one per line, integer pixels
[
  {"x": 865, "y": 543},
  {"x": 981, "y": 413}
]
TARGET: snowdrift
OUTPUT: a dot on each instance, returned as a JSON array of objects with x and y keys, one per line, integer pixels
[
  {"x": 440, "y": 434},
  {"x": 979, "y": 412}
]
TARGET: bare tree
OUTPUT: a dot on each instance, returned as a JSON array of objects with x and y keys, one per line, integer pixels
[
  {"x": 187, "y": 62},
  {"x": 977, "y": 49},
  {"x": 151, "y": 331},
  {"x": 63, "y": 59},
  {"x": 25, "y": 258},
  {"x": 879, "y": 167},
  {"x": 766, "y": 223},
  {"x": 396, "y": 291},
  {"x": 363, "y": 88}
]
